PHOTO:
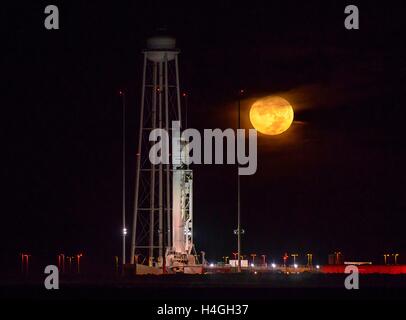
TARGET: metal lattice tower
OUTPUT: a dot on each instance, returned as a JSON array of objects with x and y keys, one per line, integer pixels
[{"x": 152, "y": 230}]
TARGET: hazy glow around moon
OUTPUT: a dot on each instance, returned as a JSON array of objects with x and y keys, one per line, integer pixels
[{"x": 271, "y": 115}]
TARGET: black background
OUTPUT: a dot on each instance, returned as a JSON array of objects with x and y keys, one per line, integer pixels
[{"x": 334, "y": 181}]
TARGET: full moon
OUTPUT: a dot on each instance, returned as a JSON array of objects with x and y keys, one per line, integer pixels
[{"x": 271, "y": 115}]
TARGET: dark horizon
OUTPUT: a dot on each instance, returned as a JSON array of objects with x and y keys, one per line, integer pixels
[{"x": 334, "y": 181}]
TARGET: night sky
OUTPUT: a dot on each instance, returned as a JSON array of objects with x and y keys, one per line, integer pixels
[{"x": 335, "y": 180}]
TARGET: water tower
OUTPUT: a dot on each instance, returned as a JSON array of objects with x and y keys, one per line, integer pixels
[{"x": 162, "y": 228}]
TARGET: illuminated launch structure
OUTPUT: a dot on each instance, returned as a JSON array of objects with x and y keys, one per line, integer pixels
[{"x": 162, "y": 230}]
